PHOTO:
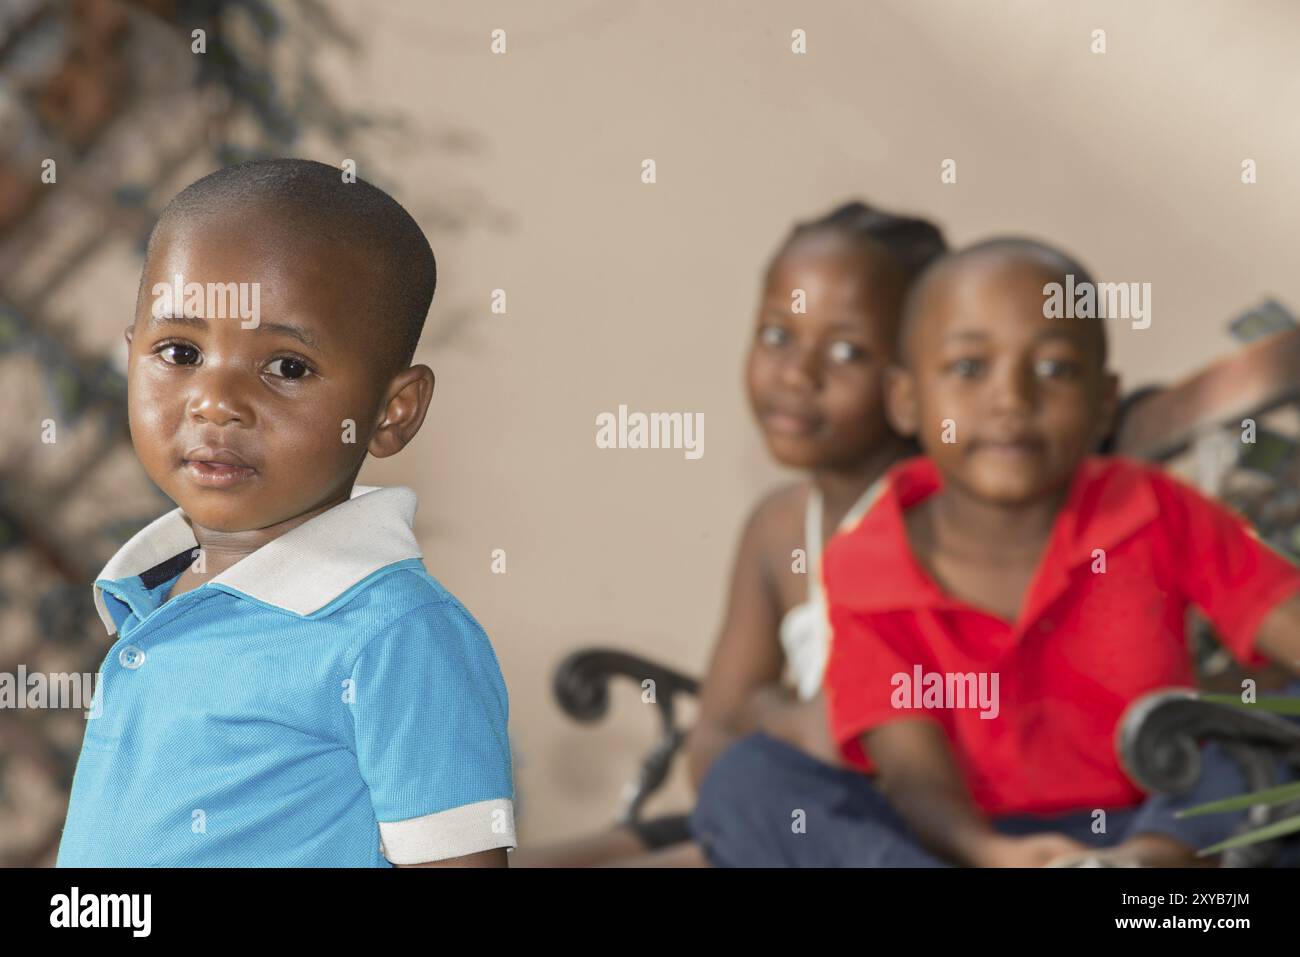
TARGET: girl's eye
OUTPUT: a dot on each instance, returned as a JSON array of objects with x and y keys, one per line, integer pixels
[
  {"x": 290, "y": 367},
  {"x": 772, "y": 336},
  {"x": 180, "y": 348},
  {"x": 1057, "y": 368},
  {"x": 966, "y": 368},
  {"x": 846, "y": 352}
]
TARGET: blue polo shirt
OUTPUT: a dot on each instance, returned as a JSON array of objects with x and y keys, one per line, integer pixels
[{"x": 322, "y": 702}]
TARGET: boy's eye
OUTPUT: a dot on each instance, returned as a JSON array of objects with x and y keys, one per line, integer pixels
[
  {"x": 966, "y": 368},
  {"x": 1057, "y": 368},
  {"x": 179, "y": 349},
  {"x": 772, "y": 336},
  {"x": 290, "y": 368},
  {"x": 846, "y": 352}
]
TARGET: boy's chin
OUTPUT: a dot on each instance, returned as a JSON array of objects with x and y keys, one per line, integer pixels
[
  {"x": 216, "y": 512},
  {"x": 1011, "y": 487},
  {"x": 216, "y": 520}
]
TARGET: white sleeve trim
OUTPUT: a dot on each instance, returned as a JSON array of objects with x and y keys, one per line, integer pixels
[{"x": 455, "y": 832}]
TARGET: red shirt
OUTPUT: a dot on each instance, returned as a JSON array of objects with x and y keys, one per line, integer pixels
[{"x": 1088, "y": 641}]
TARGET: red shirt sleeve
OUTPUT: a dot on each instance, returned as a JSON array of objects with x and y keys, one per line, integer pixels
[
  {"x": 1223, "y": 567},
  {"x": 861, "y": 688}
]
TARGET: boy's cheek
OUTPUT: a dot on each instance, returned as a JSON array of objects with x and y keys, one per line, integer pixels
[
  {"x": 143, "y": 406},
  {"x": 1074, "y": 425}
]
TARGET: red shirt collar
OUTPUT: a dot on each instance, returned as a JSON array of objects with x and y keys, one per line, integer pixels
[{"x": 871, "y": 567}]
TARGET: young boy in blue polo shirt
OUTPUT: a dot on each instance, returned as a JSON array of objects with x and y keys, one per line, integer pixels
[{"x": 288, "y": 686}]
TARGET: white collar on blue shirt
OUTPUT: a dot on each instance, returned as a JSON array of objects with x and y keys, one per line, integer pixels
[{"x": 304, "y": 569}]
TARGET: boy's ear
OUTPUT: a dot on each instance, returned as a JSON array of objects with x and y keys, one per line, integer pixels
[
  {"x": 900, "y": 401},
  {"x": 403, "y": 414}
]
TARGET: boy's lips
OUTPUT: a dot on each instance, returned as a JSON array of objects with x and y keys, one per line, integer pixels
[
  {"x": 216, "y": 456},
  {"x": 1022, "y": 446},
  {"x": 216, "y": 468},
  {"x": 215, "y": 475}
]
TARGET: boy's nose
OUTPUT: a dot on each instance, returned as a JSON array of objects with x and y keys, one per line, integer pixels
[
  {"x": 216, "y": 399},
  {"x": 1015, "y": 389}
]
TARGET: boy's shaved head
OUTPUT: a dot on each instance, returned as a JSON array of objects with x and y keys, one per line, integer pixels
[
  {"x": 1053, "y": 263},
  {"x": 1005, "y": 394},
  {"x": 307, "y": 374},
  {"x": 298, "y": 200}
]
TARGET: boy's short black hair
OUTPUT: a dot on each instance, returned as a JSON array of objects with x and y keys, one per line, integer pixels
[
  {"x": 1053, "y": 262},
  {"x": 313, "y": 197},
  {"x": 911, "y": 242}
]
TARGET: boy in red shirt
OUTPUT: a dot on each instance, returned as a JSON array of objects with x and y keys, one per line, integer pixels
[
  {"x": 1011, "y": 595},
  {"x": 1001, "y": 605}
]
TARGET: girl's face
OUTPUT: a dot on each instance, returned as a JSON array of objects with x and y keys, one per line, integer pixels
[{"x": 824, "y": 336}]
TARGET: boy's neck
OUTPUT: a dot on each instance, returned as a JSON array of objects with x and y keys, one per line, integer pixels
[
  {"x": 976, "y": 525},
  {"x": 223, "y": 549}
]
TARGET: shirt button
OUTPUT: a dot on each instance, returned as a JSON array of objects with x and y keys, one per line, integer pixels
[{"x": 131, "y": 657}]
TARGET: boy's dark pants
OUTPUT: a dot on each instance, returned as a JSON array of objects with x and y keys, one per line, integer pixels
[{"x": 745, "y": 813}]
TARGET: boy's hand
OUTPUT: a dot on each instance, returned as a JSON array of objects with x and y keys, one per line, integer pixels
[
  {"x": 1034, "y": 850},
  {"x": 1141, "y": 850},
  {"x": 1278, "y": 636}
]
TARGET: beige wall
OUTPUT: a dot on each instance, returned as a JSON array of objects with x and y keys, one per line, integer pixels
[{"x": 620, "y": 292}]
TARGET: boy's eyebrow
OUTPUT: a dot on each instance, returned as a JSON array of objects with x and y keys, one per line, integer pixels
[
  {"x": 848, "y": 325},
  {"x": 198, "y": 322},
  {"x": 1074, "y": 336},
  {"x": 978, "y": 334},
  {"x": 1070, "y": 335}
]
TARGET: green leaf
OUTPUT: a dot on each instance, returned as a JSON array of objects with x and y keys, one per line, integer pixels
[
  {"x": 1288, "y": 826},
  {"x": 1290, "y": 706},
  {"x": 1276, "y": 795}
]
